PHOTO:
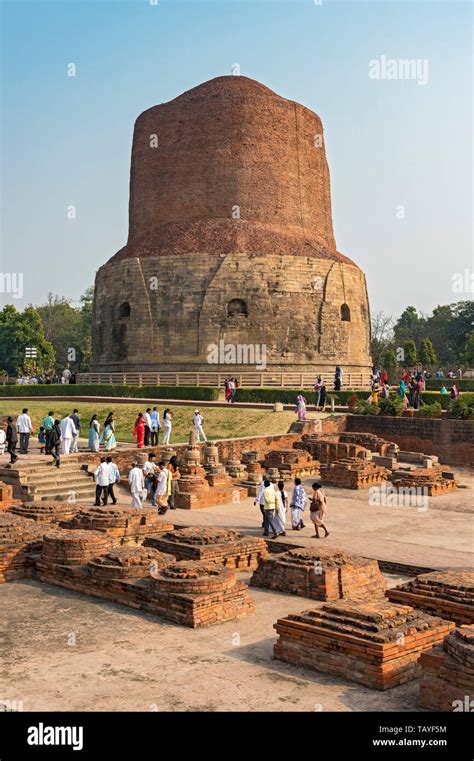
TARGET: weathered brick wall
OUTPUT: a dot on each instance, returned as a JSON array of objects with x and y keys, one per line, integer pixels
[{"x": 451, "y": 440}]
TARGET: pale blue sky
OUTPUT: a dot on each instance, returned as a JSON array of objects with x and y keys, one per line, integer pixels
[{"x": 67, "y": 140}]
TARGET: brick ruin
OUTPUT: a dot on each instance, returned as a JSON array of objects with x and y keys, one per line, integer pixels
[
  {"x": 376, "y": 644},
  {"x": 320, "y": 574},
  {"x": 253, "y": 472},
  {"x": 448, "y": 672},
  {"x": 199, "y": 593},
  {"x": 353, "y": 473},
  {"x": 46, "y": 512},
  {"x": 195, "y": 491},
  {"x": 128, "y": 524},
  {"x": 432, "y": 481},
  {"x": 286, "y": 464},
  {"x": 449, "y": 594},
  {"x": 6, "y": 497},
  {"x": 18, "y": 538},
  {"x": 223, "y": 546}
]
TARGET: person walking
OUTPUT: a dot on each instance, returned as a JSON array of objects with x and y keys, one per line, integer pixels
[
  {"x": 338, "y": 379},
  {"x": 94, "y": 437},
  {"x": 269, "y": 509},
  {"x": 173, "y": 467},
  {"x": 101, "y": 475},
  {"x": 198, "y": 429},
  {"x": 259, "y": 499},
  {"x": 12, "y": 440},
  {"x": 114, "y": 478},
  {"x": 149, "y": 470},
  {"x": 136, "y": 480},
  {"x": 297, "y": 505},
  {"x": 76, "y": 419},
  {"x": 281, "y": 508},
  {"x": 167, "y": 425},
  {"x": 54, "y": 444},
  {"x": 317, "y": 509},
  {"x": 317, "y": 387},
  {"x": 163, "y": 487},
  {"x": 301, "y": 407},
  {"x": 147, "y": 421},
  {"x": 48, "y": 423},
  {"x": 108, "y": 434},
  {"x": 24, "y": 427},
  {"x": 68, "y": 431},
  {"x": 139, "y": 430},
  {"x": 322, "y": 398},
  {"x": 155, "y": 426}
]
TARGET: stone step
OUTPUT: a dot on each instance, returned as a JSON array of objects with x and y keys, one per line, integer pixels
[
  {"x": 51, "y": 493},
  {"x": 56, "y": 475}
]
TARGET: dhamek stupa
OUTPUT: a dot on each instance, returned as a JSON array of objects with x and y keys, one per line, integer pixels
[{"x": 230, "y": 240}]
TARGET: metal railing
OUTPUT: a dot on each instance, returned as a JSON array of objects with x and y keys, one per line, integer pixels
[{"x": 216, "y": 380}]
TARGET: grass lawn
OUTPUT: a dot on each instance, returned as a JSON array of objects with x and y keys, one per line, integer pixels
[{"x": 219, "y": 423}]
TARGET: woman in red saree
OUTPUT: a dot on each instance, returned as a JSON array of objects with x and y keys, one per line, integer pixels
[{"x": 139, "y": 430}]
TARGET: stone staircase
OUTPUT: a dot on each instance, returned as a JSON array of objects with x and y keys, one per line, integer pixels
[{"x": 36, "y": 480}]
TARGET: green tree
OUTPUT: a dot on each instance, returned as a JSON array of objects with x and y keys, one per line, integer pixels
[
  {"x": 469, "y": 350},
  {"x": 68, "y": 328},
  {"x": 426, "y": 353},
  {"x": 19, "y": 330},
  {"x": 408, "y": 327},
  {"x": 389, "y": 363},
  {"x": 409, "y": 353}
]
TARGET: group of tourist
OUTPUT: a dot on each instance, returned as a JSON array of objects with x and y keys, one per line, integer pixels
[
  {"x": 410, "y": 388},
  {"x": 274, "y": 505},
  {"x": 159, "y": 481},
  {"x": 55, "y": 436},
  {"x": 230, "y": 388}
]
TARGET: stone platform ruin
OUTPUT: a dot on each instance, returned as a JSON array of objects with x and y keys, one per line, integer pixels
[
  {"x": 6, "y": 497},
  {"x": 18, "y": 538},
  {"x": 449, "y": 594},
  {"x": 223, "y": 546},
  {"x": 448, "y": 672},
  {"x": 190, "y": 593},
  {"x": 433, "y": 481},
  {"x": 198, "y": 488},
  {"x": 320, "y": 574},
  {"x": 376, "y": 644},
  {"x": 353, "y": 473},
  {"x": 290, "y": 463},
  {"x": 199, "y": 593},
  {"x": 51, "y": 512},
  {"x": 127, "y": 524}
]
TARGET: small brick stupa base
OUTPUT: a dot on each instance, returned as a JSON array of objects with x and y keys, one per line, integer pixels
[
  {"x": 229, "y": 548},
  {"x": 353, "y": 473},
  {"x": 376, "y": 644},
  {"x": 291, "y": 463},
  {"x": 449, "y": 594},
  {"x": 46, "y": 512},
  {"x": 125, "y": 523},
  {"x": 448, "y": 673},
  {"x": 196, "y": 593},
  {"x": 122, "y": 575},
  {"x": 194, "y": 489},
  {"x": 18, "y": 538},
  {"x": 320, "y": 574},
  {"x": 6, "y": 497},
  {"x": 430, "y": 480},
  {"x": 73, "y": 547}
]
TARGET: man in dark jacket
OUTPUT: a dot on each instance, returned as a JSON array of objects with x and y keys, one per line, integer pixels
[
  {"x": 54, "y": 443},
  {"x": 12, "y": 439}
]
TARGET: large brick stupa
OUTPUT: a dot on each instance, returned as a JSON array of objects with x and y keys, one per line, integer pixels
[{"x": 230, "y": 240}]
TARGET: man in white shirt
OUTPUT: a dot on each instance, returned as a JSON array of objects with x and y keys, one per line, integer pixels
[
  {"x": 101, "y": 475},
  {"x": 197, "y": 422},
  {"x": 149, "y": 469},
  {"x": 68, "y": 431},
  {"x": 114, "y": 478},
  {"x": 24, "y": 427},
  {"x": 155, "y": 426},
  {"x": 136, "y": 480},
  {"x": 163, "y": 488},
  {"x": 260, "y": 499}
]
